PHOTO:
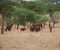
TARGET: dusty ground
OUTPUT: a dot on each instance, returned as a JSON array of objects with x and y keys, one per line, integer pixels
[{"x": 43, "y": 40}]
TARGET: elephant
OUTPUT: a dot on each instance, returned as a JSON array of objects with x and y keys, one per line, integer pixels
[
  {"x": 8, "y": 27},
  {"x": 23, "y": 29},
  {"x": 36, "y": 27}
]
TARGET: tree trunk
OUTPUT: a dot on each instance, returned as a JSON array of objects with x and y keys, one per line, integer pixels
[
  {"x": 17, "y": 26},
  {"x": 2, "y": 25},
  {"x": 50, "y": 26}
]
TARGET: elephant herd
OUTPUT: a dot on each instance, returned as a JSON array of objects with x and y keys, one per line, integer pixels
[{"x": 34, "y": 27}]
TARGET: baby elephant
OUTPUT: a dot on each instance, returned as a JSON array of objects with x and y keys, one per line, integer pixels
[{"x": 23, "y": 29}]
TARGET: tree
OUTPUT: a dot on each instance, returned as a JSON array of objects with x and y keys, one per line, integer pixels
[
  {"x": 35, "y": 6},
  {"x": 6, "y": 6},
  {"x": 21, "y": 16}
]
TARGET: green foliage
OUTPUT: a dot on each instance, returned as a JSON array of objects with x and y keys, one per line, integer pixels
[
  {"x": 37, "y": 16},
  {"x": 8, "y": 20},
  {"x": 44, "y": 19},
  {"x": 26, "y": 11},
  {"x": 35, "y": 6},
  {"x": 6, "y": 5},
  {"x": 6, "y": 9},
  {"x": 23, "y": 15},
  {"x": 51, "y": 8},
  {"x": 39, "y": 7},
  {"x": 40, "y": 18}
]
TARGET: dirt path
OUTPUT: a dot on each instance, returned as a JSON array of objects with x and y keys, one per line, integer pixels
[{"x": 43, "y": 40}]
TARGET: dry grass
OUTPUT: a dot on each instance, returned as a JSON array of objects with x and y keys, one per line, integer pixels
[{"x": 19, "y": 40}]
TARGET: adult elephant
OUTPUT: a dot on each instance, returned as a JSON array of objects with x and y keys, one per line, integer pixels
[
  {"x": 8, "y": 27},
  {"x": 36, "y": 27}
]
